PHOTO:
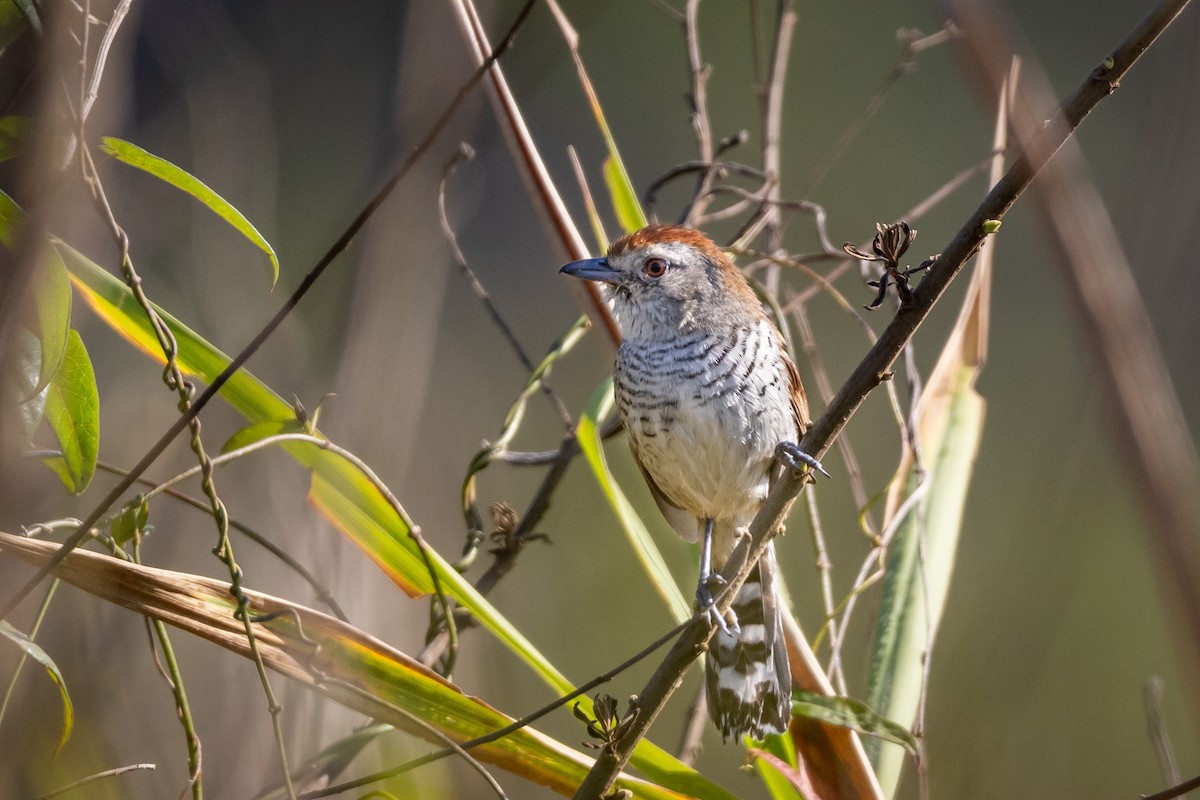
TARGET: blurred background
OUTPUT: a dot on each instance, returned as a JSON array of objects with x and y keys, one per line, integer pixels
[{"x": 296, "y": 112}]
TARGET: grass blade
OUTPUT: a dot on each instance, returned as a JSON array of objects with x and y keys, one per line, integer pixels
[
  {"x": 635, "y": 530},
  {"x": 32, "y": 650},
  {"x": 175, "y": 176}
]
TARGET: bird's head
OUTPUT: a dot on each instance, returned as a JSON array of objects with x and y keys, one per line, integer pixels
[{"x": 667, "y": 279}]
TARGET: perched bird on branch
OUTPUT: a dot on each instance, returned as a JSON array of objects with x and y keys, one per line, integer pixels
[{"x": 709, "y": 397}]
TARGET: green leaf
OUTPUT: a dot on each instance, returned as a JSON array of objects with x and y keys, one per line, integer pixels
[
  {"x": 132, "y": 519},
  {"x": 51, "y": 317},
  {"x": 32, "y": 650},
  {"x": 854, "y": 714},
  {"x": 52, "y": 304},
  {"x": 14, "y": 22},
  {"x": 919, "y": 567},
  {"x": 624, "y": 198},
  {"x": 341, "y": 493},
  {"x": 257, "y": 431},
  {"x": 635, "y": 530},
  {"x": 620, "y": 189},
  {"x": 14, "y": 130},
  {"x": 17, "y": 392},
  {"x": 10, "y": 217},
  {"x": 167, "y": 172},
  {"x": 775, "y": 764},
  {"x": 73, "y": 412}
]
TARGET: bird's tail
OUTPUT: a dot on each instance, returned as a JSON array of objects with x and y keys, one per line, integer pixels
[{"x": 749, "y": 681}]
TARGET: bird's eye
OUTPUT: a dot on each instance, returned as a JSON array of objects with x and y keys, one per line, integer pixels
[{"x": 654, "y": 268}]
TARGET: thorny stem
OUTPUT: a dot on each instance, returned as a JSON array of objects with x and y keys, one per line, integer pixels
[{"x": 870, "y": 373}]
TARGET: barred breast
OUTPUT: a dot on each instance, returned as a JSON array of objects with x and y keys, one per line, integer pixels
[{"x": 704, "y": 412}]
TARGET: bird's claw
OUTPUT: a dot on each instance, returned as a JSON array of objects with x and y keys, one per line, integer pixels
[
  {"x": 792, "y": 457},
  {"x": 706, "y": 591}
]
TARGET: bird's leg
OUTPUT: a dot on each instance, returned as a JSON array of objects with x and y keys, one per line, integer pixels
[
  {"x": 711, "y": 582},
  {"x": 792, "y": 457}
]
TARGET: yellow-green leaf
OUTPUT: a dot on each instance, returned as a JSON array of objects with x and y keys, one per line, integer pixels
[
  {"x": 51, "y": 313},
  {"x": 130, "y": 520},
  {"x": 620, "y": 190},
  {"x": 624, "y": 198},
  {"x": 256, "y": 431},
  {"x": 635, "y": 530},
  {"x": 32, "y": 650},
  {"x": 854, "y": 714},
  {"x": 13, "y": 132},
  {"x": 73, "y": 411},
  {"x": 171, "y": 174}
]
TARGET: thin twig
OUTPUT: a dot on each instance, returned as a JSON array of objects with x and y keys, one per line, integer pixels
[
  {"x": 694, "y": 725},
  {"x": 1157, "y": 729},
  {"x": 825, "y": 576},
  {"x": 771, "y": 98},
  {"x": 698, "y": 100},
  {"x": 465, "y": 153},
  {"x": 169, "y": 669},
  {"x": 108, "y": 773},
  {"x": 914, "y": 43},
  {"x": 854, "y": 473},
  {"x": 1175, "y": 791}
]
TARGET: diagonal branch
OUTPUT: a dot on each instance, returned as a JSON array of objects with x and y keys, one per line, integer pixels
[{"x": 874, "y": 369}]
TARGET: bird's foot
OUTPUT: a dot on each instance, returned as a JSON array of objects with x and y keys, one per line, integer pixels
[
  {"x": 792, "y": 457},
  {"x": 706, "y": 592}
]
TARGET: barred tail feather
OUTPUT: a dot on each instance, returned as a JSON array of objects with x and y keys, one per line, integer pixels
[{"x": 748, "y": 678}]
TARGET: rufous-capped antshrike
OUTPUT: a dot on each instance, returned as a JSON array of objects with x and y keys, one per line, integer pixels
[{"x": 708, "y": 395}]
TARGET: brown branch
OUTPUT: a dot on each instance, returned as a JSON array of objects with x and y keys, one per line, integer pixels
[
  {"x": 547, "y": 201},
  {"x": 772, "y": 112},
  {"x": 698, "y": 99},
  {"x": 871, "y": 371},
  {"x": 1175, "y": 791}
]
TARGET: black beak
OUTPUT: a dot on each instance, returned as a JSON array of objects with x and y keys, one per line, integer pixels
[{"x": 592, "y": 269}]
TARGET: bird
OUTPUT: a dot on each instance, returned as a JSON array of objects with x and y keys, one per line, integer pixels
[{"x": 709, "y": 397}]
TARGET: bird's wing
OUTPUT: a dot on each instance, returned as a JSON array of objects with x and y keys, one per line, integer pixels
[
  {"x": 799, "y": 399},
  {"x": 682, "y": 522}
]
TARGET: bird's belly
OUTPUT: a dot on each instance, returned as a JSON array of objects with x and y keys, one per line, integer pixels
[{"x": 709, "y": 456}]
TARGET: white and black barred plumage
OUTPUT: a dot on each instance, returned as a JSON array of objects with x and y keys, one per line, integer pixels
[{"x": 707, "y": 392}]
